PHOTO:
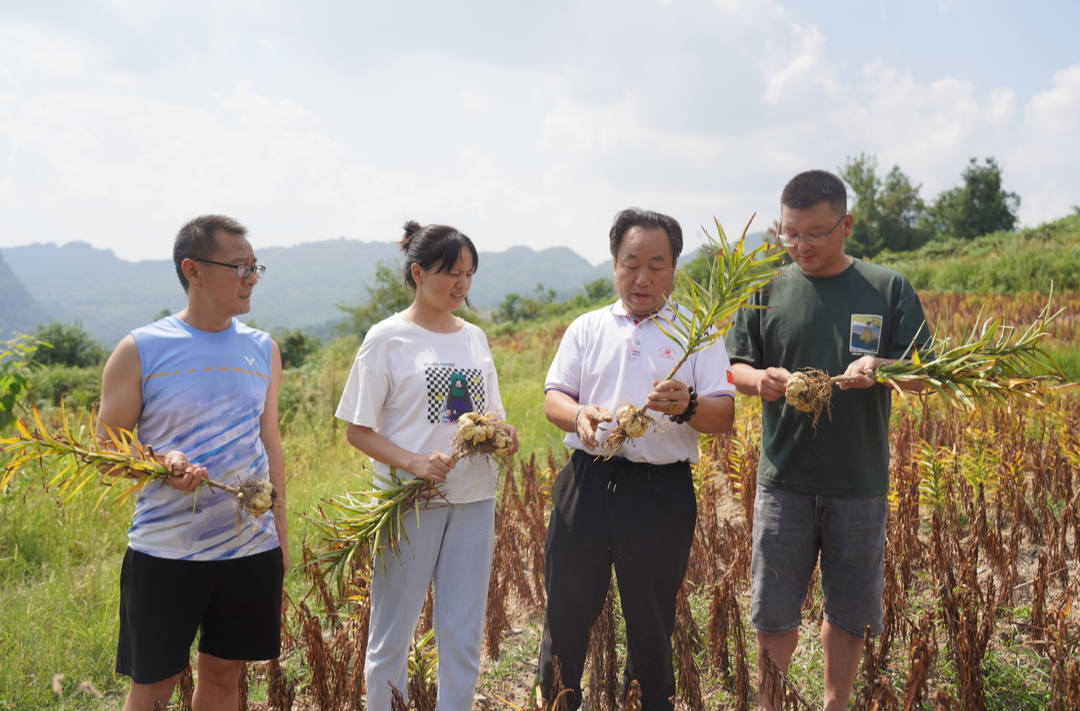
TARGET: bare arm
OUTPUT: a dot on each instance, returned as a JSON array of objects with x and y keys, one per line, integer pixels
[
  {"x": 766, "y": 383},
  {"x": 569, "y": 415},
  {"x": 429, "y": 465},
  {"x": 270, "y": 434},
  {"x": 122, "y": 404}
]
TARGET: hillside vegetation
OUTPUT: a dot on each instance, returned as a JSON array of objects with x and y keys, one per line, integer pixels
[{"x": 1030, "y": 260}]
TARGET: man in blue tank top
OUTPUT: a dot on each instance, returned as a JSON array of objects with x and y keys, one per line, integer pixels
[{"x": 201, "y": 388}]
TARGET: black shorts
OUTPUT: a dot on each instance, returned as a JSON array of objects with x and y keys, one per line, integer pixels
[{"x": 235, "y": 605}]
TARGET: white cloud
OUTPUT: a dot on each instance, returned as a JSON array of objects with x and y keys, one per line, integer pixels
[
  {"x": 1046, "y": 154},
  {"x": 52, "y": 55},
  {"x": 806, "y": 71},
  {"x": 1055, "y": 111},
  {"x": 123, "y": 121}
]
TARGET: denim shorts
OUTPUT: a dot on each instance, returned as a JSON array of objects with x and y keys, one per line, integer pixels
[{"x": 791, "y": 529}]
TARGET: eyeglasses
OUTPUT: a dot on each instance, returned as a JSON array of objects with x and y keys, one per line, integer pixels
[
  {"x": 814, "y": 240},
  {"x": 242, "y": 270}
]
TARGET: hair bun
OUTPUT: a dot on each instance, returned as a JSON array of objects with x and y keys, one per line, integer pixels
[{"x": 411, "y": 228}]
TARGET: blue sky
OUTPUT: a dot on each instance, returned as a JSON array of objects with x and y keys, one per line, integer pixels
[{"x": 519, "y": 123}]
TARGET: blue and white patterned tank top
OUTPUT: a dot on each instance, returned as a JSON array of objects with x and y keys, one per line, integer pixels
[{"x": 203, "y": 394}]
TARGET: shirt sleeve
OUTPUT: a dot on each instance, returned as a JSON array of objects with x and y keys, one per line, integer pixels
[
  {"x": 743, "y": 340},
  {"x": 564, "y": 374},
  {"x": 365, "y": 391},
  {"x": 491, "y": 376}
]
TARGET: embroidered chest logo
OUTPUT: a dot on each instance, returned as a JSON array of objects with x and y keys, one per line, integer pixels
[
  {"x": 249, "y": 360},
  {"x": 667, "y": 353},
  {"x": 865, "y": 333}
]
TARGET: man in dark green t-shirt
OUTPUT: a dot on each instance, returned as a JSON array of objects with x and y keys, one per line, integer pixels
[{"x": 822, "y": 489}]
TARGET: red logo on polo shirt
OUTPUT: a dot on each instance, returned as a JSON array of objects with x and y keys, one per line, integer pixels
[
  {"x": 667, "y": 352},
  {"x": 730, "y": 377}
]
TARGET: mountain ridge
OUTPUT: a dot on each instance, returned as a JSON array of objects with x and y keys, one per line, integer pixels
[{"x": 77, "y": 282}]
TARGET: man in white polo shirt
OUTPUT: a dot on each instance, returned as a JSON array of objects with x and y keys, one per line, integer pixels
[{"x": 636, "y": 511}]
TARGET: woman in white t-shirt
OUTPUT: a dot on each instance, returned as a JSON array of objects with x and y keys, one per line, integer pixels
[{"x": 416, "y": 373}]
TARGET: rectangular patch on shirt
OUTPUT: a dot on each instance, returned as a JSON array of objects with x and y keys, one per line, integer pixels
[
  {"x": 452, "y": 392},
  {"x": 865, "y": 333}
]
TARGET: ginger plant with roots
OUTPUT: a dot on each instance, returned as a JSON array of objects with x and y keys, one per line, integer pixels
[
  {"x": 372, "y": 523},
  {"x": 368, "y": 524},
  {"x": 702, "y": 313},
  {"x": 119, "y": 457},
  {"x": 993, "y": 362}
]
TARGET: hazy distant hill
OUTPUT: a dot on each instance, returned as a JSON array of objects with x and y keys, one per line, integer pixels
[
  {"x": 19, "y": 312},
  {"x": 77, "y": 282}
]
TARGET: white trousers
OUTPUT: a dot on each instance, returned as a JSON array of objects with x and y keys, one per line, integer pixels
[{"x": 452, "y": 547}]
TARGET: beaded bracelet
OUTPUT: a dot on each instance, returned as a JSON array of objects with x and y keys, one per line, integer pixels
[{"x": 691, "y": 408}]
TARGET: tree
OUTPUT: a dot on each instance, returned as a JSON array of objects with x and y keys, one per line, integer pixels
[
  {"x": 978, "y": 207},
  {"x": 888, "y": 213},
  {"x": 516, "y": 307},
  {"x": 389, "y": 295},
  {"x": 15, "y": 372},
  {"x": 600, "y": 290},
  {"x": 295, "y": 346},
  {"x": 66, "y": 344}
]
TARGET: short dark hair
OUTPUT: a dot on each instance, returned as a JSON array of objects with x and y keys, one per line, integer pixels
[
  {"x": 198, "y": 240},
  {"x": 434, "y": 246},
  {"x": 646, "y": 219},
  {"x": 813, "y": 187}
]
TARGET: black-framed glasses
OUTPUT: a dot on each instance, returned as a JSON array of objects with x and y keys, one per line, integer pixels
[
  {"x": 242, "y": 270},
  {"x": 813, "y": 240}
]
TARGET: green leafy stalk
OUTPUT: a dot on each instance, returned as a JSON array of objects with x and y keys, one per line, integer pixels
[
  {"x": 119, "y": 457},
  {"x": 735, "y": 274},
  {"x": 88, "y": 459},
  {"x": 369, "y": 523},
  {"x": 993, "y": 361}
]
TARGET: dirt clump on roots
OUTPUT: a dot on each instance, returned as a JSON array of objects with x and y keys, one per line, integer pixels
[
  {"x": 254, "y": 497},
  {"x": 810, "y": 390},
  {"x": 631, "y": 422},
  {"x": 480, "y": 433}
]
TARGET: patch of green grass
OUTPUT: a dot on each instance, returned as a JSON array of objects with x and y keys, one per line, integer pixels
[
  {"x": 59, "y": 573},
  {"x": 502, "y": 678},
  {"x": 1016, "y": 680}
]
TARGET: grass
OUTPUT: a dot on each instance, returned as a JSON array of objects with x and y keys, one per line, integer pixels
[
  {"x": 59, "y": 572},
  {"x": 59, "y": 568}
]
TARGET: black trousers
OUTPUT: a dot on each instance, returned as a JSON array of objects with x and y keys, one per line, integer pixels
[{"x": 640, "y": 519}]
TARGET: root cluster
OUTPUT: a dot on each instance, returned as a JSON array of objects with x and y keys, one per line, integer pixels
[
  {"x": 631, "y": 423},
  {"x": 254, "y": 497},
  {"x": 479, "y": 433},
  {"x": 810, "y": 391}
]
